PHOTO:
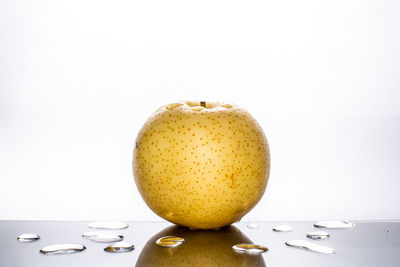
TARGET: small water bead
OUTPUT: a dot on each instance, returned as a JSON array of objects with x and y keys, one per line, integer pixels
[
  {"x": 302, "y": 244},
  {"x": 250, "y": 248},
  {"x": 334, "y": 224},
  {"x": 120, "y": 247},
  {"x": 28, "y": 238},
  {"x": 170, "y": 241},
  {"x": 252, "y": 225},
  {"x": 103, "y": 236},
  {"x": 173, "y": 106},
  {"x": 94, "y": 233},
  {"x": 226, "y": 105},
  {"x": 199, "y": 108},
  {"x": 318, "y": 235},
  {"x": 63, "y": 249},
  {"x": 108, "y": 225},
  {"x": 283, "y": 228}
]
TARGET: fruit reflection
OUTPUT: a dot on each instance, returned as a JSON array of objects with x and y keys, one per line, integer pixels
[{"x": 201, "y": 248}]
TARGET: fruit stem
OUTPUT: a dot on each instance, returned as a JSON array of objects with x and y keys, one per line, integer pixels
[{"x": 203, "y": 103}]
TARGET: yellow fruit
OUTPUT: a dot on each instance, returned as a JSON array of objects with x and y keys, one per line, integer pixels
[
  {"x": 201, "y": 165},
  {"x": 201, "y": 248}
]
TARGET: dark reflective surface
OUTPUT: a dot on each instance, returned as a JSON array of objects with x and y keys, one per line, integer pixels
[
  {"x": 368, "y": 244},
  {"x": 201, "y": 248}
]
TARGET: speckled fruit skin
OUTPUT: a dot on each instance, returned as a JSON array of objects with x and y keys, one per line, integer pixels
[{"x": 201, "y": 167}]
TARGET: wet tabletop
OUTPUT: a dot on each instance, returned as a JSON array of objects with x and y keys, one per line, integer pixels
[{"x": 367, "y": 244}]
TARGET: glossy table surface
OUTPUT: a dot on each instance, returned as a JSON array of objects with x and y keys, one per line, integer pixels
[{"x": 368, "y": 244}]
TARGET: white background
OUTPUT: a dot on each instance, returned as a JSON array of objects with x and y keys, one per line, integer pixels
[{"x": 79, "y": 78}]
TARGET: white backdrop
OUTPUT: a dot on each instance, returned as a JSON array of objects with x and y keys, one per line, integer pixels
[{"x": 79, "y": 78}]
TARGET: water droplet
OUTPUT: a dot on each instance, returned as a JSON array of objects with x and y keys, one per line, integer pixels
[
  {"x": 199, "y": 108},
  {"x": 318, "y": 235},
  {"x": 252, "y": 225},
  {"x": 250, "y": 248},
  {"x": 301, "y": 244},
  {"x": 226, "y": 105},
  {"x": 388, "y": 231},
  {"x": 283, "y": 228},
  {"x": 108, "y": 225},
  {"x": 334, "y": 224},
  {"x": 120, "y": 247},
  {"x": 28, "y": 238},
  {"x": 170, "y": 241},
  {"x": 173, "y": 106},
  {"x": 63, "y": 249},
  {"x": 103, "y": 236}
]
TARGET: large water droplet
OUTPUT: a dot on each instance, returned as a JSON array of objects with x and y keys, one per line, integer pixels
[
  {"x": 28, "y": 238},
  {"x": 120, "y": 247},
  {"x": 170, "y": 241},
  {"x": 301, "y": 244},
  {"x": 108, "y": 225},
  {"x": 250, "y": 248},
  {"x": 63, "y": 249},
  {"x": 318, "y": 235},
  {"x": 252, "y": 225},
  {"x": 103, "y": 236},
  {"x": 283, "y": 228},
  {"x": 334, "y": 224}
]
